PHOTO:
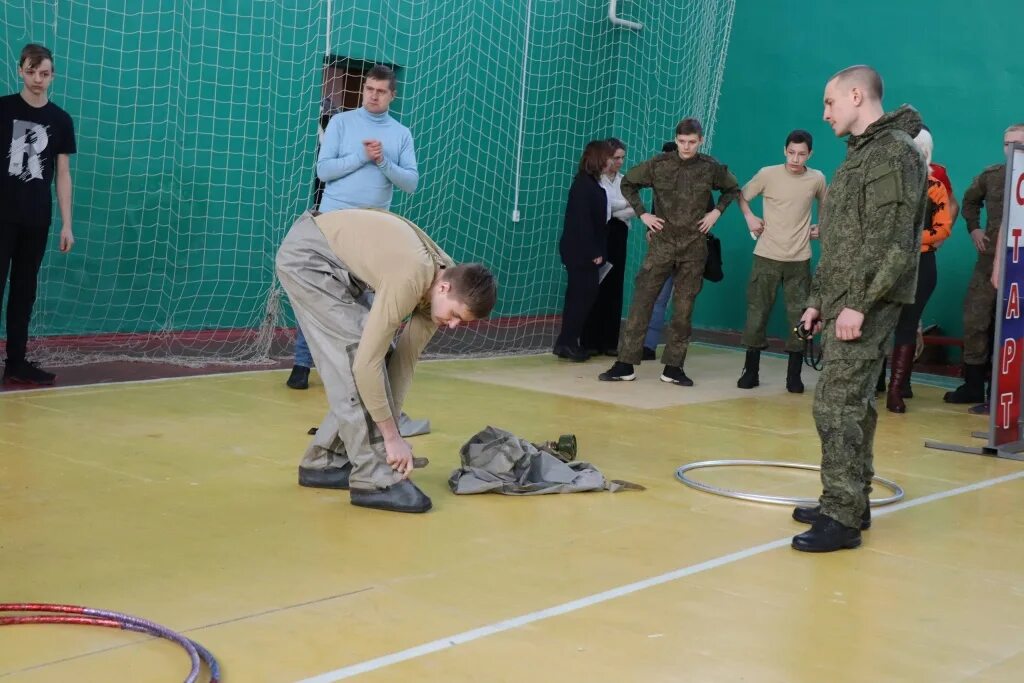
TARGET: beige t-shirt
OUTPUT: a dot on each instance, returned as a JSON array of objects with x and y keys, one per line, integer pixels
[
  {"x": 787, "y": 210},
  {"x": 398, "y": 262}
]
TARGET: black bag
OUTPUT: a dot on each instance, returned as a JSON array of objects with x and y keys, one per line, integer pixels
[{"x": 713, "y": 266}]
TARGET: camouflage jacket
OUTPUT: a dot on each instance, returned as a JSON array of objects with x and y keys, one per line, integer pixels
[
  {"x": 872, "y": 219},
  {"x": 682, "y": 193},
  {"x": 986, "y": 190}
]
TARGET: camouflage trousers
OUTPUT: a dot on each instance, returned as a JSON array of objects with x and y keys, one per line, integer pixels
[
  {"x": 845, "y": 413},
  {"x": 765, "y": 277},
  {"x": 979, "y": 313},
  {"x": 686, "y": 267}
]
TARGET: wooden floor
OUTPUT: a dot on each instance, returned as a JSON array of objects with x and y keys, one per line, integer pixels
[{"x": 177, "y": 501}]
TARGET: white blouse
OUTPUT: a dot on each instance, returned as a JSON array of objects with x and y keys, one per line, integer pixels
[{"x": 617, "y": 204}]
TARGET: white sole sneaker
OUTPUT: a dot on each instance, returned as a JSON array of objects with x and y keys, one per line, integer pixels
[{"x": 622, "y": 378}]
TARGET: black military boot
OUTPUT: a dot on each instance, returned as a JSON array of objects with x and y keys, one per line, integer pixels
[
  {"x": 751, "y": 369},
  {"x": 794, "y": 384},
  {"x": 810, "y": 516},
  {"x": 973, "y": 388},
  {"x": 826, "y": 535}
]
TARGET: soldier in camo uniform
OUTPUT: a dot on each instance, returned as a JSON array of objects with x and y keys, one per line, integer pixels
[
  {"x": 683, "y": 182},
  {"x": 980, "y": 303},
  {"x": 870, "y": 239}
]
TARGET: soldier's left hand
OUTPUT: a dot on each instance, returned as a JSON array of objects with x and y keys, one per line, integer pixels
[
  {"x": 848, "y": 324},
  {"x": 709, "y": 220}
]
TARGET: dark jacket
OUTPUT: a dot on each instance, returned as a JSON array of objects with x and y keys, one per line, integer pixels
[{"x": 585, "y": 230}]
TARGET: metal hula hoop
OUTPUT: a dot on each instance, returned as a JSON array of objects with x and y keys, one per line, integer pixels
[{"x": 896, "y": 489}]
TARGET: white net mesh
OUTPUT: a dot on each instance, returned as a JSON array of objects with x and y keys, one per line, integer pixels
[{"x": 197, "y": 128}]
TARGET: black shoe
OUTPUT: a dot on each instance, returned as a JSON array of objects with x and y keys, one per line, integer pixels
[
  {"x": 794, "y": 384},
  {"x": 675, "y": 375},
  {"x": 649, "y": 353},
  {"x": 825, "y": 536},
  {"x": 403, "y": 496},
  {"x": 907, "y": 391},
  {"x": 611, "y": 351},
  {"x": 299, "y": 379},
  {"x": 980, "y": 409},
  {"x": 751, "y": 367},
  {"x": 973, "y": 388},
  {"x": 27, "y": 372},
  {"x": 325, "y": 478},
  {"x": 576, "y": 355},
  {"x": 619, "y": 372},
  {"x": 811, "y": 515}
]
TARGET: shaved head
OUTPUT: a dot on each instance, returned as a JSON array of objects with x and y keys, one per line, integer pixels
[
  {"x": 862, "y": 77},
  {"x": 853, "y": 100}
]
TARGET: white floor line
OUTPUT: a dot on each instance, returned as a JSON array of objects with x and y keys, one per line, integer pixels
[{"x": 598, "y": 598}]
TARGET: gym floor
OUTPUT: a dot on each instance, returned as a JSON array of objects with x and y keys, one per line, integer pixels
[{"x": 176, "y": 501}]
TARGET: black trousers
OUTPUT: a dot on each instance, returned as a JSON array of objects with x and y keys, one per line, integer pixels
[
  {"x": 580, "y": 294},
  {"x": 21, "y": 253},
  {"x": 601, "y": 330},
  {"x": 910, "y": 314}
]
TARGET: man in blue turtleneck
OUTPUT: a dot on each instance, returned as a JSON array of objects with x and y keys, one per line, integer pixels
[{"x": 364, "y": 153}]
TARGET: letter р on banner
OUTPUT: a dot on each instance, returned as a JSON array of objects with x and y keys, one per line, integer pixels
[{"x": 1005, "y": 399}]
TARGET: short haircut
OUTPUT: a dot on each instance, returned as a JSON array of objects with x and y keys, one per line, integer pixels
[
  {"x": 595, "y": 157},
  {"x": 616, "y": 144},
  {"x": 669, "y": 146},
  {"x": 383, "y": 73},
  {"x": 33, "y": 54},
  {"x": 800, "y": 136},
  {"x": 690, "y": 126},
  {"x": 864, "y": 76},
  {"x": 1017, "y": 127},
  {"x": 475, "y": 286}
]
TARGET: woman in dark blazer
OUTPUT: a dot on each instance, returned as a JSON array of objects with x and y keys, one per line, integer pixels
[{"x": 583, "y": 247}]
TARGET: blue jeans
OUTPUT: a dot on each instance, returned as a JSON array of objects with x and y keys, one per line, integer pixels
[
  {"x": 657, "y": 323},
  {"x": 303, "y": 357}
]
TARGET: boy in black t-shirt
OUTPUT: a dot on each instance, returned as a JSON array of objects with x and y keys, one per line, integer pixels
[{"x": 39, "y": 137}]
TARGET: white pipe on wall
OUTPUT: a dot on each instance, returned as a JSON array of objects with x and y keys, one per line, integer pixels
[
  {"x": 516, "y": 215},
  {"x": 613, "y": 16}
]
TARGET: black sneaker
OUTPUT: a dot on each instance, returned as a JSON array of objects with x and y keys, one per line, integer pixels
[
  {"x": 619, "y": 372},
  {"x": 675, "y": 375},
  {"x": 27, "y": 372},
  {"x": 299, "y": 379},
  {"x": 649, "y": 353}
]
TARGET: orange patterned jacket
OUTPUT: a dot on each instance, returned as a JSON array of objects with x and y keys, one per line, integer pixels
[{"x": 938, "y": 223}]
